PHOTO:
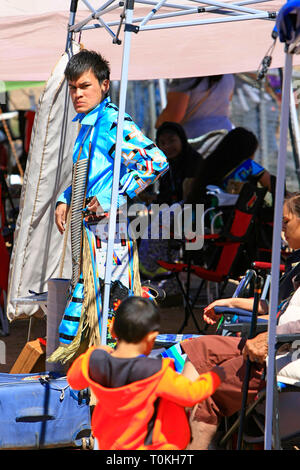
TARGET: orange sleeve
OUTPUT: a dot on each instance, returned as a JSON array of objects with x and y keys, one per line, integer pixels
[
  {"x": 184, "y": 392},
  {"x": 75, "y": 376},
  {"x": 175, "y": 110}
]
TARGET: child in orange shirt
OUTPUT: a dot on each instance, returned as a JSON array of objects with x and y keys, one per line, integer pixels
[{"x": 140, "y": 400}]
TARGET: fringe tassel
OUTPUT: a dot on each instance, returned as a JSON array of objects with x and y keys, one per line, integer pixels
[
  {"x": 137, "y": 287},
  {"x": 88, "y": 329},
  {"x": 89, "y": 302},
  {"x": 88, "y": 333},
  {"x": 64, "y": 354}
]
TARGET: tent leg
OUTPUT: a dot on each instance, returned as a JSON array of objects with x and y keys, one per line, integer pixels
[
  {"x": 116, "y": 175},
  {"x": 276, "y": 247},
  {"x": 73, "y": 9},
  {"x": 162, "y": 92},
  {"x": 294, "y": 130},
  {"x": 152, "y": 108},
  {"x": 295, "y": 134},
  {"x": 263, "y": 124}
]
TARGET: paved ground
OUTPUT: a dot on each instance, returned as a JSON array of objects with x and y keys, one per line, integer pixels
[{"x": 172, "y": 318}]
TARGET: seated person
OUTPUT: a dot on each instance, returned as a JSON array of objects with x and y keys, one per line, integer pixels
[
  {"x": 174, "y": 186},
  {"x": 183, "y": 161},
  {"x": 139, "y": 398},
  {"x": 206, "y": 352},
  {"x": 233, "y": 159}
]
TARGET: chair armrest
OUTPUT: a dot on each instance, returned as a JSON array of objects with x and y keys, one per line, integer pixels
[
  {"x": 230, "y": 311},
  {"x": 244, "y": 328},
  {"x": 266, "y": 266},
  {"x": 280, "y": 339},
  {"x": 212, "y": 236},
  {"x": 243, "y": 318}
]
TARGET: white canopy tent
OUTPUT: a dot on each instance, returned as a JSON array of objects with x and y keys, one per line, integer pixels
[
  {"x": 33, "y": 36},
  {"x": 208, "y": 34}
]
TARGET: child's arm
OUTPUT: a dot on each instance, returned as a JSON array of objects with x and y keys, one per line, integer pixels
[
  {"x": 75, "y": 376},
  {"x": 175, "y": 387}
]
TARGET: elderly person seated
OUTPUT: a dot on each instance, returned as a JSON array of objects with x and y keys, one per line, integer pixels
[{"x": 205, "y": 352}]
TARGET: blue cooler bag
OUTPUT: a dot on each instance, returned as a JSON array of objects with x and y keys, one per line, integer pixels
[{"x": 41, "y": 411}]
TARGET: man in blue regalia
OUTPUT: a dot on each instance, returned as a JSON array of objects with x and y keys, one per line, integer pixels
[{"x": 142, "y": 163}]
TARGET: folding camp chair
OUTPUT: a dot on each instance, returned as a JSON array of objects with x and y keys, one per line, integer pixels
[
  {"x": 286, "y": 415},
  {"x": 249, "y": 423},
  {"x": 226, "y": 254},
  {"x": 168, "y": 345},
  {"x": 237, "y": 320}
]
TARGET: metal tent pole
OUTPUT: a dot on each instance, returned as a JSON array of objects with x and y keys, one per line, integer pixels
[
  {"x": 73, "y": 10},
  {"x": 295, "y": 134},
  {"x": 117, "y": 164},
  {"x": 263, "y": 124},
  {"x": 293, "y": 129},
  {"x": 152, "y": 109},
  {"x": 276, "y": 248},
  {"x": 163, "y": 92},
  {"x": 67, "y": 98}
]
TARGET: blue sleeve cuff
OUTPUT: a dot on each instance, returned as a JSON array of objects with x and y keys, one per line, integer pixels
[{"x": 65, "y": 197}]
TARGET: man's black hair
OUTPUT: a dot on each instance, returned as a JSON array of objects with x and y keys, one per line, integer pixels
[
  {"x": 135, "y": 318},
  {"x": 84, "y": 61}
]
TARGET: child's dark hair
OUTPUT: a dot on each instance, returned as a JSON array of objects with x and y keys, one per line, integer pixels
[
  {"x": 135, "y": 318},
  {"x": 87, "y": 60}
]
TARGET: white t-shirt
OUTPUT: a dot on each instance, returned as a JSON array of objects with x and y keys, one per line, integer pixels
[
  {"x": 214, "y": 109},
  {"x": 288, "y": 363},
  {"x": 292, "y": 312}
]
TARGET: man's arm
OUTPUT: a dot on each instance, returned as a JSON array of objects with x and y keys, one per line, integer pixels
[
  {"x": 144, "y": 161},
  {"x": 211, "y": 317},
  {"x": 62, "y": 209},
  {"x": 257, "y": 348},
  {"x": 292, "y": 327},
  {"x": 66, "y": 196},
  {"x": 177, "y": 103},
  {"x": 61, "y": 214}
]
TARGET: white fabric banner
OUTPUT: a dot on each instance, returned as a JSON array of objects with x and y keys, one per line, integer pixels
[
  {"x": 33, "y": 32},
  {"x": 38, "y": 245}
]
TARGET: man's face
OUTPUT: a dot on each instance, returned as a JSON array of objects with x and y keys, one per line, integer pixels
[{"x": 86, "y": 92}]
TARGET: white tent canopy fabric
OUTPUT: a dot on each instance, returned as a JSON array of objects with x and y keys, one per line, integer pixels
[
  {"x": 212, "y": 47},
  {"x": 33, "y": 34}
]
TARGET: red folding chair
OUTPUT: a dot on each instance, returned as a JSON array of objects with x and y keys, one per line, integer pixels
[{"x": 227, "y": 254}]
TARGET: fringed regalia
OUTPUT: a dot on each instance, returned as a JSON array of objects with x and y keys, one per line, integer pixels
[{"x": 141, "y": 164}]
